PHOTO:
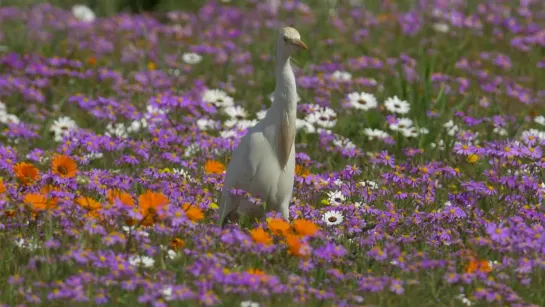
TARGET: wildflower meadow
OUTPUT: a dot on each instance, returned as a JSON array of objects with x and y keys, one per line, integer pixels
[{"x": 419, "y": 154}]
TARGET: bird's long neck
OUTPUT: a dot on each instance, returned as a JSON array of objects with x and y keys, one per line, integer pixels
[{"x": 285, "y": 94}]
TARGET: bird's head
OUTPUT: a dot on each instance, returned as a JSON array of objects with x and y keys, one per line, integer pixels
[{"x": 290, "y": 40}]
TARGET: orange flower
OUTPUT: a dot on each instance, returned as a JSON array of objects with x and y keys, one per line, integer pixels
[
  {"x": 40, "y": 202},
  {"x": 10, "y": 213},
  {"x": 150, "y": 202},
  {"x": 305, "y": 227},
  {"x": 278, "y": 226},
  {"x": 296, "y": 247},
  {"x": 256, "y": 272},
  {"x": 301, "y": 171},
  {"x": 92, "y": 60},
  {"x": 124, "y": 197},
  {"x": 193, "y": 213},
  {"x": 64, "y": 166},
  {"x": 26, "y": 172},
  {"x": 214, "y": 167},
  {"x": 478, "y": 265},
  {"x": 88, "y": 203},
  {"x": 177, "y": 243},
  {"x": 261, "y": 236},
  {"x": 2, "y": 187}
]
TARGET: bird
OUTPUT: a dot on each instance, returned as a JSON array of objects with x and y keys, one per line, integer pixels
[{"x": 263, "y": 163}]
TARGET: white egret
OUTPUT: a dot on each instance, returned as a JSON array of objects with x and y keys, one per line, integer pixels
[{"x": 263, "y": 164}]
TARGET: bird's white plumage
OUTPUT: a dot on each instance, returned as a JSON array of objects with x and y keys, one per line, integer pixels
[{"x": 263, "y": 164}]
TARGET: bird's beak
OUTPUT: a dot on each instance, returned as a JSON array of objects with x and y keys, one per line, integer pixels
[{"x": 300, "y": 44}]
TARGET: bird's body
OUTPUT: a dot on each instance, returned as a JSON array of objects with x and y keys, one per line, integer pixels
[{"x": 263, "y": 164}]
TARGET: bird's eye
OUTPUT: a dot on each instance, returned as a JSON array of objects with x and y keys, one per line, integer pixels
[{"x": 285, "y": 39}]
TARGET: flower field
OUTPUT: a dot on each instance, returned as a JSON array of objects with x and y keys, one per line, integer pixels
[{"x": 419, "y": 166}]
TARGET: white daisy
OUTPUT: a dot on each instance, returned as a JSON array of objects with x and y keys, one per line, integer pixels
[
  {"x": 191, "y": 58},
  {"x": 441, "y": 27},
  {"x": 119, "y": 130},
  {"x": 451, "y": 128},
  {"x": 324, "y": 117},
  {"x": 410, "y": 132},
  {"x": 401, "y": 124},
  {"x": 440, "y": 146},
  {"x": 333, "y": 218},
  {"x": 302, "y": 124},
  {"x": 342, "y": 142},
  {"x": 236, "y": 112},
  {"x": 143, "y": 261},
  {"x": 499, "y": 130},
  {"x": 83, "y": 13},
  {"x": 246, "y": 123},
  {"x": 62, "y": 127},
  {"x": 6, "y": 118},
  {"x": 424, "y": 131},
  {"x": 396, "y": 105},
  {"x": 206, "y": 124},
  {"x": 540, "y": 120},
  {"x": 249, "y": 304},
  {"x": 336, "y": 198},
  {"x": 261, "y": 114},
  {"x": 375, "y": 133},
  {"x": 227, "y": 134},
  {"x": 362, "y": 101},
  {"x": 167, "y": 293},
  {"x": 342, "y": 76},
  {"x": 218, "y": 98}
]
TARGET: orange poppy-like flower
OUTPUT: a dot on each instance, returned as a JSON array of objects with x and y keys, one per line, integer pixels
[
  {"x": 149, "y": 203},
  {"x": 261, "y": 236},
  {"x": 305, "y": 227},
  {"x": 88, "y": 203},
  {"x": 214, "y": 167},
  {"x": 40, "y": 202},
  {"x": 278, "y": 226},
  {"x": 92, "y": 60},
  {"x": 177, "y": 243},
  {"x": 2, "y": 187},
  {"x": 301, "y": 171},
  {"x": 26, "y": 172},
  {"x": 124, "y": 197},
  {"x": 296, "y": 247},
  {"x": 10, "y": 213},
  {"x": 478, "y": 265},
  {"x": 193, "y": 213},
  {"x": 64, "y": 166}
]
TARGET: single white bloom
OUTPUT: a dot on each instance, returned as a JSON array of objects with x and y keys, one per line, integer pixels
[
  {"x": 191, "y": 58},
  {"x": 540, "y": 120},
  {"x": 249, "y": 304},
  {"x": 236, "y": 112},
  {"x": 362, "y": 101},
  {"x": 333, "y": 218},
  {"x": 401, "y": 124},
  {"x": 342, "y": 76},
  {"x": 336, "y": 197},
  {"x": 396, "y": 105},
  {"x": 261, "y": 114},
  {"x": 218, "y": 98},
  {"x": 83, "y": 13},
  {"x": 62, "y": 127},
  {"x": 375, "y": 133},
  {"x": 167, "y": 293},
  {"x": 301, "y": 124},
  {"x": 441, "y": 27},
  {"x": 410, "y": 132},
  {"x": 324, "y": 117},
  {"x": 342, "y": 142}
]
